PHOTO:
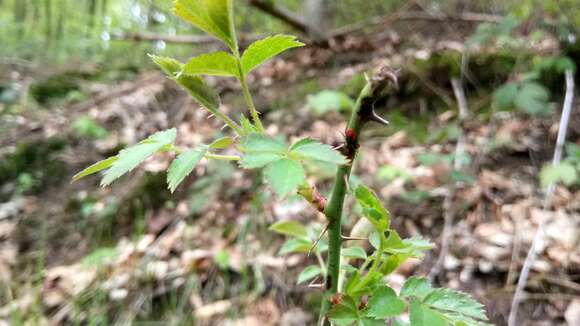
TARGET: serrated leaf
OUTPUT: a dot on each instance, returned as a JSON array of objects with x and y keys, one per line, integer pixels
[
  {"x": 345, "y": 313},
  {"x": 504, "y": 96},
  {"x": 130, "y": 157},
  {"x": 532, "y": 98},
  {"x": 354, "y": 252},
  {"x": 170, "y": 66},
  {"x": 422, "y": 315},
  {"x": 222, "y": 143},
  {"x": 182, "y": 166},
  {"x": 263, "y": 50},
  {"x": 213, "y": 64},
  {"x": 563, "y": 172},
  {"x": 455, "y": 301},
  {"x": 417, "y": 287},
  {"x": 97, "y": 167},
  {"x": 318, "y": 152},
  {"x": 384, "y": 303},
  {"x": 198, "y": 89},
  {"x": 290, "y": 227},
  {"x": 302, "y": 142},
  {"x": 295, "y": 245},
  {"x": 308, "y": 273},
  {"x": 373, "y": 210},
  {"x": 212, "y": 16},
  {"x": 284, "y": 176},
  {"x": 261, "y": 143}
]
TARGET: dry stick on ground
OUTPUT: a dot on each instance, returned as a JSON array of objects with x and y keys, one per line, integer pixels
[
  {"x": 448, "y": 208},
  {"x": 538, "y": 237}
]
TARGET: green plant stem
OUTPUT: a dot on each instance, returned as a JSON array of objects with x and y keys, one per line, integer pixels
[
  {"x": 253, "y": 111},
  {"x": 247, "y": 95},
  {"x": 362, "y": 112},
  {"x": 335, "y": 205}
]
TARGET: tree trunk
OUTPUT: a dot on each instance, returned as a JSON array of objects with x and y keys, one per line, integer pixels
[{"x": 320, "y": 15}]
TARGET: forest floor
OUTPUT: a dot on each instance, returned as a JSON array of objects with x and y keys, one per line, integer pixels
[{"x": 77, "y": 253}]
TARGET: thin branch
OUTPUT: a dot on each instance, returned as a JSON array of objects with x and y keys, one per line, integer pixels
[
  {"x": 520, "y": 294},
  {"x": 457, "y": 166}
]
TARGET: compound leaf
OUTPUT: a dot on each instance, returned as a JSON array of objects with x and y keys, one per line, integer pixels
[
  {"x": 182, "y": 166},
  {"x": 344, "y": 313},
  {"x": 417, "y": 287},
  {"x": 260, "y": 150},
  {"x": 263, "y": 50}
]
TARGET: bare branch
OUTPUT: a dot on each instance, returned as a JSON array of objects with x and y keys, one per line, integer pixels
[{"x": 520, "y": 294}]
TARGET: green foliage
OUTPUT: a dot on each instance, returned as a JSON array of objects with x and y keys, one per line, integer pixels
[
  {"x": 263, "y": 50},
  {"x": 567, "y": 172},
  {"x": 213, "y": 64},
  {"x": 100, "y": 257},
  {"x": 282, "y": 167},
  {"x": 182, "y": 166},
  {"x": 328, "y": 100},
  {"x": 88, "y": 128},
  {"x": 309, "y": 273},
  {"x": 373, "y": 210},
  {"x": 214, "y": 17},
  {"x": 290, "y": 227}
]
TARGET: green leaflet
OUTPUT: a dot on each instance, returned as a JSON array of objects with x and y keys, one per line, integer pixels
[
  {"x": 290, "y": 227},
  {"x": 504, "y": 96},
  {"x": 284, "y": 176},
  {"x": 309, "y": 273},
  {"x": 532, "y": 98},
  {"x": 97, "y": 167},
  {"x": 318, "y": 152},
  {"x": 182, "y": 166},
  {"x": 354, "y": 252},
  {"x": 260, "y": 150},
  {"x": 215, "y": 17},
  {"x": 345, "y": 313},
  {"x": 564, "y": 172},
  {"x": 221, "y": 143},
  {"x": 422, "y": 315},
  {"x": 373, "y": 210},
  {"x": 170, "y": 66},
  {"x": 214, "y": 64},
  {"x": 194, "y": 85},
  {"x": 263, "y": 50},
  {"x": 384, "y": 303},
  {"x": 295, "y": 245},
  {"x": 417, "y": 287},
  {"x": 130, "y": 157},
  {"x": 454, "y": 301}
]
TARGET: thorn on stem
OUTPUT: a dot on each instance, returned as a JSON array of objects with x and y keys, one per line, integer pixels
[{"x": 318, "y": 240}]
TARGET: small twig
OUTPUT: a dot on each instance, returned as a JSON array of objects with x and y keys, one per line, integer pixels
[
  {"x": 347, "y": 238},
  {"x": 538, "y": 237},
  {"x": 457, "y": 166}
]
